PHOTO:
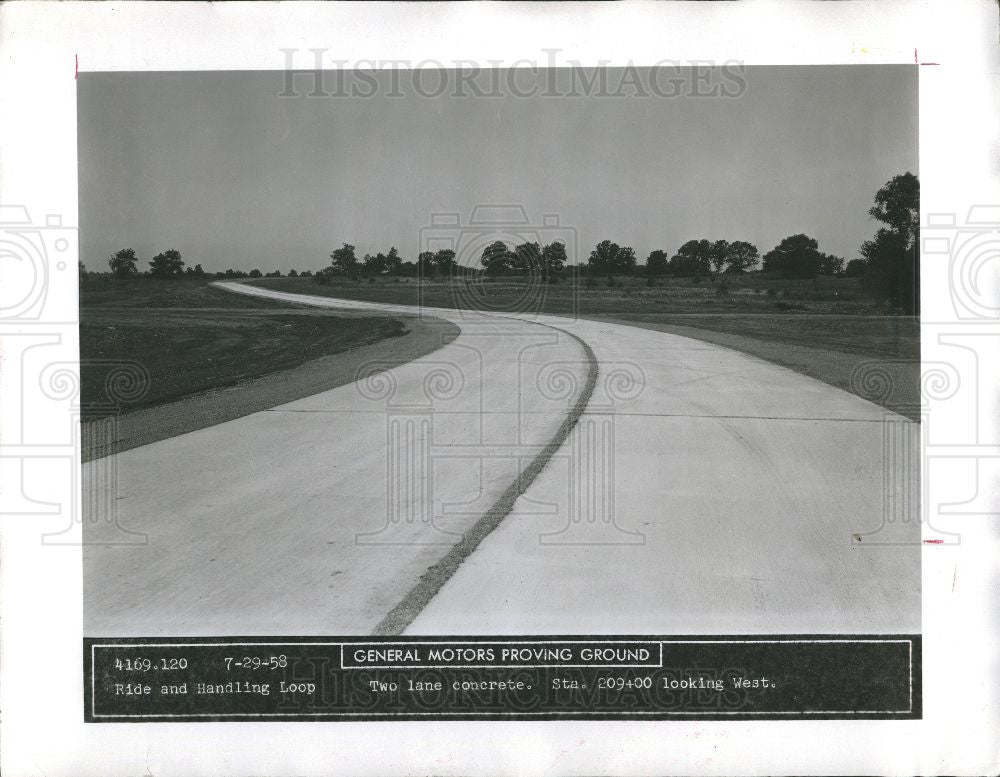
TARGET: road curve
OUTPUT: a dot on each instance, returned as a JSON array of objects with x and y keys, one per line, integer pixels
[
  {"x": 322, "y": 515},
  {"x": 702, "y": 491}
]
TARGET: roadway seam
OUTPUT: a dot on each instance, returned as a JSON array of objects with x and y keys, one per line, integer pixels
[{"x": 433, "y": 580}]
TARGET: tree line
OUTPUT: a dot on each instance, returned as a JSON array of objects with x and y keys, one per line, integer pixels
[
  {"x": 170, "y": 264},
  {"x": 888, "y": 264}
]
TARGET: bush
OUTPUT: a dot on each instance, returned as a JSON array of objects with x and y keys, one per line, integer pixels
[
  {"x": 723, "y": 288},
  {"x": 772, "y": 292},
  {"x": 757, "y": 291}
]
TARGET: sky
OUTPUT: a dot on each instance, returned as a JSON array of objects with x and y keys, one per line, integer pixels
[{"x": 246, "y": 170}]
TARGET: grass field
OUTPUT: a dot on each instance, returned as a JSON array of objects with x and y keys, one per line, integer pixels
[
  {"x": 827, "y": 313},
  {"x": 826, "y": 328},
  {"x": 145, "y": 342}
]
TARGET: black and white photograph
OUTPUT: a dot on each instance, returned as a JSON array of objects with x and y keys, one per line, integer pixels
[
  {"x": 406, "y": 393},
  {"x": 587, "y": 351}
]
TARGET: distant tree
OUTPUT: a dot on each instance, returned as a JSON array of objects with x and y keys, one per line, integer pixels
[
  {"x": 256, "y": 273},
  {"x": 425, "y": 264},
  {"x": 293, "y": 273},
  {"x": 718, "y": 255},
  {"x": 324, "y": 277},
  {"x": 167, "y": 265},
  {"x": 602, "y": 258},
  {"x": 656, "y": 263},
  {"x": 794, "y": 257},
  {"x": 742, "y": 257},
  {"x": 392, "y": 261},
  {"x": 553, "y": 258},
  {"x": 611, "y": 258},
  {"x": 527, "y": 258},
  {"x": 407, "y": 269},
  {"x": 374, "y": 265},
  {"x": 855, "y": 268},
  {"x": 692, "y": 259},
  {"x": 496, "y": 257},
  {"x": 625, "y": 261},
  {"x": 444, "y": 261},
  {"x": 830, "y": 264},
  {"x": 122, "y": 263},
  {"x": 892, "y": 273},
  {"x": 344, "y": 259},
  {"x": 306, "y": 274}
]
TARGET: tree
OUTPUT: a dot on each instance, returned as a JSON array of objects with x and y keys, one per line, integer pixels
[
  {"x": 830, "y": 264},
  {"x": 344, "y": 259},
  {"x": 892, "y": 273},
  {"x": 656, "y": 264},
  {"x": 855, "y": 268},
  {"x": 553, "y": 258},
  {"x": 625, "y": 261},
  {"x": 376, "y": 265},
  {"x": 425, "y": 264},
  {"x": 897, "y": 204},
  {"x": 496, "y": 257},
  {"x": 256, "y": 274},
  {"x": 392, "y": 261},
  {"x": 167, "y": 265},
  {"x": 794, "y": 257},
  {"x": 444, "y": 260},
  {"x": 527, "y": 258},
  {"x": 743, "y": 257},
  {"x": 123, "y": 263},
  {"x": 718, "y": 255},
  {"x": 293, "y": 273},
  {"x": 602, "y": 258},
  {"x": 611, "y": 258},
  {"x": 692, "y": 259}
]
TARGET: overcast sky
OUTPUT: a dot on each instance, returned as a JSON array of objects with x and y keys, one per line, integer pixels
[{"x": 231, "y": 173}]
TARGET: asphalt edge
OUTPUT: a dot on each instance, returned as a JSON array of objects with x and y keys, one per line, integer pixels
[{"x": 434, "y": 579}]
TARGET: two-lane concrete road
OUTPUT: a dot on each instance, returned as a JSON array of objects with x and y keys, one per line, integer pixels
[{"x": 701, "y": 491}]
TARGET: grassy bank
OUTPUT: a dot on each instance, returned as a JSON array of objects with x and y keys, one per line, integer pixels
[{"x": 145, "y": 342}]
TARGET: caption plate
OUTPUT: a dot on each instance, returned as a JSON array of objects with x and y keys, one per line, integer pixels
[{"x": 502, "y": 678}]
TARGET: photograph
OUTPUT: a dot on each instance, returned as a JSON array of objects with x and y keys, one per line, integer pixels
[
  {"x": 501, "y": 351},
  {"x": 479, "y": 389}
]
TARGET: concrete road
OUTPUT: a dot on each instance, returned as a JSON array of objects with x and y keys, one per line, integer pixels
[{"x": 701, "y": 491}]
